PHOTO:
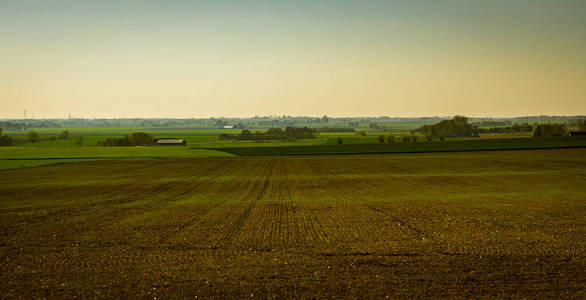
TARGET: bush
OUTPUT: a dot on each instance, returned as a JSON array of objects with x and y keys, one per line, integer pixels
[
  {"x": 381, "y": 138},
  {"x": 32, "y": 137},
  {"x": 429, "y": 138},
  {"x": 442, "y": 138},
  {"x": 141, "y": 139},
  {"x": 339, "y": 140},
  {"x": 549, "y": 130},
  {"x": 581, "y": 124},
  {"x": 64, "y": 135},
  {"x": 414, "y": 138},
  {"x": 79, "y": 141},
  {"x": 116, "y": 142},
  {"x": 5, "y": 141},
  {"x": 289, "y": 134},
  {"x": 406, "y": 138},
  {"x": 458, "y": 126},
  {"x": 390, "y": 139},
  {"x": 227, "y": 136}
]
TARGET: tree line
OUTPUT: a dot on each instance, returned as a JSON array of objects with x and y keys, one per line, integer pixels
[
  {"x": 4, "y": 139},
  {"x": 135, "y": 139},
  {"x": 456, "y": 127},
  {"x": 551, "y": 130},
  {"x": 289, "y": 134},
  {"x": 507, "y": 129}
]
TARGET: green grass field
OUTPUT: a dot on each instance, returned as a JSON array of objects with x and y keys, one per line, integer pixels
[
  {"x": 15, "y": 157},
  {"x": 498, "y": 224}
]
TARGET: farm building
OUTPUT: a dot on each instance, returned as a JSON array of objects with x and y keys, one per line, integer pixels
[
  {"x": 577, "y": 133},
  {"x": 171, "y": 143}
]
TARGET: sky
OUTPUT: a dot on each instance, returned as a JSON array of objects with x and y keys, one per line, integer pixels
[{"x": 185, "y": 59}]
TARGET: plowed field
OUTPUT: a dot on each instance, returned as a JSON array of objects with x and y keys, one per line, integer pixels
[{"x": 510, "y": 224}]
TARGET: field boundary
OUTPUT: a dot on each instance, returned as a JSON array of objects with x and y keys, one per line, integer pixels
[
  {"x": 434, "y": 147},
  {"x": 104, "y": 157}
]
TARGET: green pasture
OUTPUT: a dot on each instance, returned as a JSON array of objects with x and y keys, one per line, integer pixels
[{"x": 13, "y": 157}]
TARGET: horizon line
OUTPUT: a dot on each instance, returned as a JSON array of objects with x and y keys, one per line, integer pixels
[{"x": 294, "y": 116}]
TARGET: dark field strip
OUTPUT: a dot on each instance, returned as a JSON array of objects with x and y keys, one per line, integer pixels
[
  {"x": 508, "y": 224},
  {"x": 421, "y": 147}
]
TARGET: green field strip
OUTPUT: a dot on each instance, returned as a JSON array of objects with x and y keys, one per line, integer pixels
[{"x": 448, "y": 146}]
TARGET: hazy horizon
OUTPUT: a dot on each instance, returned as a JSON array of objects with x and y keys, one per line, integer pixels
[
  {"x": 31, "y": 117},
  {"x": 181, "y": 59}
]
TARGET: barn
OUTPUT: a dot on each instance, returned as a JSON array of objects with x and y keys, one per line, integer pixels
[{"x": 169, "y": 142}]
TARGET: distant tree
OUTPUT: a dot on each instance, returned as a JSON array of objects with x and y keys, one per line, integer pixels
[
  {"x": 32, "y": 137},
  {"x": 390, "y": 139},
  {"x": 245, "y": 135},
  {"x": 514, "y": 128},
  {"x": 289, "y": 134},
  {"x": 116, "y": 142},
  {"x": 381, "y": 138},
  {"x": 550, "y": 130},
  {"x": 227, "y": 136},
  {"x": 4, "y": 139},
  {"x": 79, "y": 141},
  {"x": 325, "y": 119},
  {"x": 340, "y": 141},
  {"x": 64, "y": 135},
  {"x": 461, "y": 125},
  {"x": 458, "y": 126},
  {"x": 220, "y": 123},
  {"x": 537, "y": 132},
  {"x": 581, "y": 124},
  {"x": 406, "y": 138},
  {"x": 560, "y": 130},
  {"x": 141, "y": 139}
]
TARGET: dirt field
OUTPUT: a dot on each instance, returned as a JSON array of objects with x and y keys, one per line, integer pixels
[{"x": 482, "y": 224}]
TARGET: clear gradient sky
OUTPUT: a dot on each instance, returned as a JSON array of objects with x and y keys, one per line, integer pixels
[{"x": 245, "y": 58}]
